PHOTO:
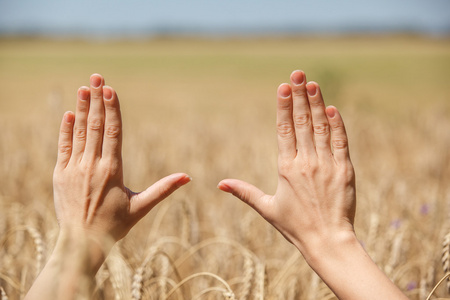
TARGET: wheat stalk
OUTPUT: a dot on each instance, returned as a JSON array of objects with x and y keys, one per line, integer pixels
[
  {"x": 229, "y": 293},
  {"x": 446, "y": 257},
  {"x": 446, "y": 276}
]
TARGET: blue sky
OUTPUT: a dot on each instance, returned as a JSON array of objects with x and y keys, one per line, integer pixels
[{"x": 211, "y": 17}]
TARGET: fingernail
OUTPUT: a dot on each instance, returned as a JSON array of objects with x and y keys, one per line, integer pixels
[
  {"x": 311, "y": 88},
  {"x": 96, "y": 81},
  {"x": 298, "y": 77},
  {"x": 68, "y": 117},
  {"x": 284, "y": 90},
  {"x": 331, "y": 112},
  {"x": 183, "y": 180},
  {"x": 223, "y": 187},
  {"x": 83, "y": 93},
  {"x": 107, "y": 93}
]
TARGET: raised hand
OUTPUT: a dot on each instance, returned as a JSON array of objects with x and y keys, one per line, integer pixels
[
  {"x": 93, "y": 207},
  {"x": 314, "y": 204},
  {"x": 88, "y": 180},
  {"x": 315, "y": 197}
]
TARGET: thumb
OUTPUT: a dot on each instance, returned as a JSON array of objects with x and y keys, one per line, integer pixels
[
  {"x": 247, "y": 192},
  {"x": 143, "y": 202}
]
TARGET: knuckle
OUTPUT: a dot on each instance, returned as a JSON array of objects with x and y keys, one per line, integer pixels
[
  {"x": 80, "y": 134},
  {"x": 285, "y": 130},
  {"x": 302, "y": 119},
  {"x": 339, "y": 143},
  {"x": 284, "y": 167},
  {"x": 348, "y": 173},
  {"x": 65, "y": 148},
  {"x": 321, "y": 128},
  {"x": 309, "y": 169},
  {"x": 110, "y": 167},
  {"x": 112, "y": 131},
  {"x": 337, "y": 126},
  {"x": 95, "y": 124}
]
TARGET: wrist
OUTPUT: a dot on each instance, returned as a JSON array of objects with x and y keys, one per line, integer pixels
[
  {"x": 81, "y": 250},
  {"x": 347, "y": 269},
  {"x": 336, "y": 246}
]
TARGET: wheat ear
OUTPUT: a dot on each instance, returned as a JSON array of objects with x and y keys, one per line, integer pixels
[
  {"x": 39, "y": 244},
  {"x": 446, "y": 258},
  {"x": 249, "y": 271}
]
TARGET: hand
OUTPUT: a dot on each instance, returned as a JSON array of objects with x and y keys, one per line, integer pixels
[
  {"x": 93, "y": 207},
  {"x": 88, "y": 179},
  {"x": 315, "y": 198}
]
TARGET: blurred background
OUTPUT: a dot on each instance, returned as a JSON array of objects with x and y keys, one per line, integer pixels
[
  {"x": 143, "y": 19},
  {"x": 197, "y": 83}
]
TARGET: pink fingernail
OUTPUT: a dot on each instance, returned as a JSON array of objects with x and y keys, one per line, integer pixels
[
  {"x": 298, "y": 77},
  {"x": 96, "y": 81},
  {"x": 311, "y": 88},
  {"x": 107, "y": 93},
  {"x": 83, "y": 93},
  {"x": 331, "y": 112},
  {"x": 284, "y": 90},
  {"x": 183, "y": 180},
  {"x": 223, "y": 187},
  {"x": 68, "y": 117}
]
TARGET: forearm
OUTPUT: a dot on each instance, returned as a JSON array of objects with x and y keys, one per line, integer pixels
[
  {"x": 71, "y": 269},
  {"x": 347, "y": 269}
]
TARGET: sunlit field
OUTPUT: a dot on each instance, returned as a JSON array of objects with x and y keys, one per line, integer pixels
[{"x": 207, "y": 107}]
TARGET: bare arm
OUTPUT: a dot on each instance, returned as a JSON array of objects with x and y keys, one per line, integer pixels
[
  {"x": 93, "y": 207},
  {"x": 314, "y": 204}
]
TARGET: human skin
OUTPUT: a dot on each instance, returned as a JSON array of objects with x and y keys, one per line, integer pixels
[
  {"x": 93, "y": 207},
  {"x": 315, "y": 200}
]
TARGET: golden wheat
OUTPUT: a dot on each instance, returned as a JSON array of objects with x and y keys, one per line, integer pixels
[
  {"x": 203, "y": 244},
  {"x": 446, "y": 257}
]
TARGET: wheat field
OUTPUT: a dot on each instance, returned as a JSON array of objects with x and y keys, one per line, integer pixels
[{"x": 207, "y": 107}]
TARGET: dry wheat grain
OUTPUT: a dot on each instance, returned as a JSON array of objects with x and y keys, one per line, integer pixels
[
  {"x": 249, "y": 271},
  {"x": 39, "y": 246}
]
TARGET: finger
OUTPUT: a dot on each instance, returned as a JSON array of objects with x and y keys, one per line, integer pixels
[
  {"x": 285, "y": 126},
  {"x": 339, "y": 139},
  {"x": 321, "y": 127},
  {"x": 96, "y": 118},
  {"x": 302, "y": 115},
  {"x": 79, "y": 139},
  {"x": 248, "y": 193},
  {"x": 143, "y": 202},
  {"x": 112, "y": 139},
  {"x": 65, "y": 140}
]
